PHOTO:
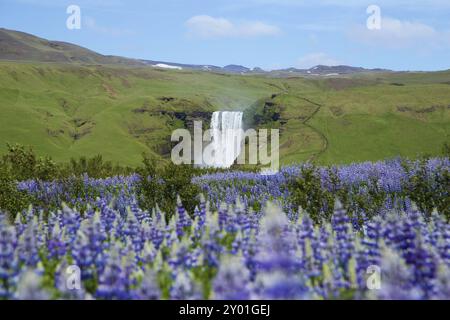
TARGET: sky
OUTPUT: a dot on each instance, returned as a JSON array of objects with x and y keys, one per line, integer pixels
[{"x": 271, "y": 34}]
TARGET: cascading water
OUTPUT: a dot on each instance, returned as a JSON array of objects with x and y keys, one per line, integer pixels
[{"x": 226, "y": 137}]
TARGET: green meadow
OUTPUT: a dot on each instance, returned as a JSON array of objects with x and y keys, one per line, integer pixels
[{"x": 70, "y": 110}]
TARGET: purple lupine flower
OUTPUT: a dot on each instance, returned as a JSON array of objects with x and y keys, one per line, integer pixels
[
  {"x": 322, "y": 262},
  {"x": 149, "y": 288},
  {"x": 147, "y": 254},
  {"x": 29, "y": 286},
  {"x": 112, "y": 281},
  {"x": 66, "y": 282},
  {"x": 185, "y": 288},
  {"x": 28, "y": 246},
  {"x": 344, "y": 240},
  {"x": 278, "y": 275},
  {"x": 9, "y": 264},
  {"x": 132, "y": 230},
  {"x": 441, "y": 284},
  {"x": 396, "y": 279},
  {"x": 425, "y": 267},
  {"x": 183, "y": 220},
  {"x": 233, "y": 280},
  {"x": 83, "y": 255},
  {"x": 55, "y": 244}
]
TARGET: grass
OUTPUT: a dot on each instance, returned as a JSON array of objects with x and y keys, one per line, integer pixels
[
  {"x": 72, "y": 110},
  {"x": 358, "y": 137}
]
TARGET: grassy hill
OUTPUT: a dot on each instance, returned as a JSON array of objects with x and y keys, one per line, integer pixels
[
  {"x": 70, "y": 110},
  {"x": 65, "y": 110},
  {"x": 68, "y": 101},
  {"x": 363, "y": 117},
  {"x": 21, "y": 46}
]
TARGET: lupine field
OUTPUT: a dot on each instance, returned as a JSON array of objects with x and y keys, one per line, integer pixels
[{"x": 363, "y": 231}]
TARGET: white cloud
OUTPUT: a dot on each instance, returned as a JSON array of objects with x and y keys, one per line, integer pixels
[
  {"x": 400, "y": 33},
  {"x": 314, "y": 59},
  {"x": 205, "y": 26}
]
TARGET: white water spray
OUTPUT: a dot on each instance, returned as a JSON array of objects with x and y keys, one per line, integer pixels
[{"x": 227, "y": 135}]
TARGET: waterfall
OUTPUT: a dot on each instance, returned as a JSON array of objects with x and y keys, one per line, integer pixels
[{"x": 226, "y": 137}]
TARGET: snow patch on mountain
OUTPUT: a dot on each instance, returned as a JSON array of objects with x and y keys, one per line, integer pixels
[{"x": 167, "y": 66}]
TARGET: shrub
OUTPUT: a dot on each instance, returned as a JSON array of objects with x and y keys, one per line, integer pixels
[
  {"x": 429, "y": 189},
  {"x": 306, "y": 192},
  {"x": 24, "y": 164},
  {"x": 12, "y": 200},
  {"x": 162, "y": 185},
  {"x": 94, "y": 167}
]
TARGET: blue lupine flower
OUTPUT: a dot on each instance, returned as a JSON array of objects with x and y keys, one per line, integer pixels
[
  {"x": 9, "y": 264},
  {"x": 232, "y": 246},
  {"x": 233, "y": 280},
  {"x": 185, "y": 288},
  {"x": 149, "y": 288},
  {"x": 30, "y": 287}
]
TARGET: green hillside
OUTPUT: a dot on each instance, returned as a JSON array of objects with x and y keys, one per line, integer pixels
[
  {"x": 69, "y": 110},
  {"x": 21, "y": 46}
]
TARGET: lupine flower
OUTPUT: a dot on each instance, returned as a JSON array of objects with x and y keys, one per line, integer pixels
[
  {"x": 113, "y": 282},
  {"x": 66, "y": 282},
  {"x": 244, "y": 241},
  {"x": 232, "y": 281},
  {"x": 278, "y": 275},
  {"x": 30, "y": 287},
  {"x": 28, "y": 246},
  {"x": 185, "y": 288},
  {"x": 396, "y": 279},
  {"x": 149, "y": 288},
  {"x": 9, "y": 264}
]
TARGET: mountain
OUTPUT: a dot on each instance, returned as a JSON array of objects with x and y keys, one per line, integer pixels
[
  {"x": 236, "y": 68},
  {"x": 172, "y": 65},
  {"x": 321, "y": 70},
  {"x": 258, "y": 70},
  {"x": 21, "y": 46}
]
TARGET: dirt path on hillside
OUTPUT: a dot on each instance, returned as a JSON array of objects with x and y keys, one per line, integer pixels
[
  {"x": 307, "y": 119},
  {"x": 322, "y": 135}
]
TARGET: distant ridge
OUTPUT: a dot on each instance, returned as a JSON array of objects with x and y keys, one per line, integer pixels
[
  {"x": 21, "y": 46},
  {"x": 328, "y": 70}
]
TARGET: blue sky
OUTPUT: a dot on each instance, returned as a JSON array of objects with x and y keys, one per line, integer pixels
[{"x": 414, "y": 35}]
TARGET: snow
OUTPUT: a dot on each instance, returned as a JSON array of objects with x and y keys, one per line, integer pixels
[{"x": 166, "y": 66}]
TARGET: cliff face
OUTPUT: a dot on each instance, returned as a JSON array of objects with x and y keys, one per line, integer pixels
[{"x": 187, "y": 117}]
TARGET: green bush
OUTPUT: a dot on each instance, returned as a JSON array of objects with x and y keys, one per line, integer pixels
[
  {"x": 12, "y": 200},
  {"x": 160, "y": 185},
  {"x": 23, "y": 164},
  {"x": 429, "y": 190},
  {"x": 94, "y": 167},
  {"x": 306, "y": 192}
]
